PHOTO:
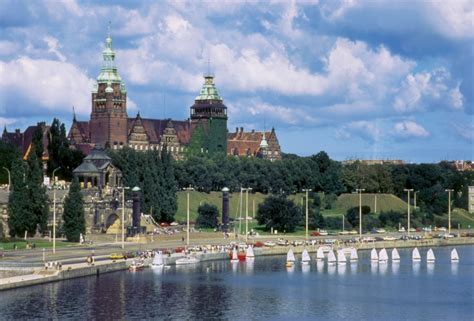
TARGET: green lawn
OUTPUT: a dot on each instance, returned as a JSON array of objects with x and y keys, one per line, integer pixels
[
  {"x": 21, "y": 244},
  {"x": 385, "y": 202},
  {"x": 463, "y": 217}
]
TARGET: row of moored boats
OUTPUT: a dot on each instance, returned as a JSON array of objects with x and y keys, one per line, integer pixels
[{"x": 340, "y": 256}]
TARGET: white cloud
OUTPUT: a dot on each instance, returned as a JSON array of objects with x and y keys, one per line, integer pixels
[
  {"x": 8, "y": 47},
  {"x": 465, "y": 131},
  {"x": 53, "y": 47},
  {"x": 409, "y": 129},
  {"x": 335, "y": 9},
  {"x": 367, "y": 130},
  {"x": 452, "y": 18},
  {"x": 52, "y": 85},
  {"x": 427, "y": 91}
]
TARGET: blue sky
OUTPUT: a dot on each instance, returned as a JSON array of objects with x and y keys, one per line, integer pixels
[{"x": 358, "y": 79}]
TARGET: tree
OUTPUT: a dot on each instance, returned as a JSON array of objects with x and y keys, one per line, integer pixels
[
  {"x": 37, "y": 198},
  {"x": 315, "y": 218},
  {"x": 8, "y": 152},
  {"x": 60, "y": 153},
  {"x": 352, "y": 214},
  {"x": 208, "y": 216},
  {"x": 19, "y": 216},
  {"x": 74, "y": 220},
  {"x": 279, "y": 213},
  {"x": 169, "y": 204}
]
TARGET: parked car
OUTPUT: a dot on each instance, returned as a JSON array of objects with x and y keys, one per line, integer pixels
[
  {"x": 323, "y": 232},
  {"x": 269, "y": 244},
  {"x": 315, "y": 233},
  {"x": 116, "y": 256},
  {"x": 381, "y": 231}
]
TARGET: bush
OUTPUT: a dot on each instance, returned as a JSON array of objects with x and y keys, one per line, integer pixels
[
  {"x": 208, "y": 216},
  {"x": 279, "y": 213}
]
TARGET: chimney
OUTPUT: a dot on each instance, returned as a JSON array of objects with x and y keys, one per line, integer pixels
[{"x": 236, "y": 130}]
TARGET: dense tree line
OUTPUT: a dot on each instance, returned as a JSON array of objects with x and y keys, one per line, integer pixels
[
  {"x": 27, "y": 203},
  {"x": 153, "y": 172}
]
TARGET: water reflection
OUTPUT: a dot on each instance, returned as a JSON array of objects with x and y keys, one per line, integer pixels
[
  {"x": 341, "y": 269},
  {"x": 454, "y": 268},
  {"x": 320, "y": 266},
  {"x": 354, "y": 267},
  {"x": 383, "y": 268},
  {"x": 374, "y": 267},
  {"x": 305, "y": 268},
  {"x": 249, "y": 267},
  {"x": 416, "y": 268},
  {"x": 430, "y": 268},
  {"x": 234, "y": 266},
  {"x": 395, "y": 267},
  {"x": 331, "y": 269}
]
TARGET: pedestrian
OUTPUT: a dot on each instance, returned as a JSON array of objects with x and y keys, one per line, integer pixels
[{"x": 182, "y": 239}]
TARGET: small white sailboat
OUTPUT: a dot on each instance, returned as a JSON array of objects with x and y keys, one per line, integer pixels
[
  {"x": 249, "y": 255},
  {"x": 395, "y": 255},
  {"x": 331, "y": 257},
  {"x": 415, "y": 256},
  {"x": 341, "y": 258},
  {"x": 290, "y": 258},
  {"x": 383, "y": 256},
  {"x": 430, "y": 257},
  {"x": 158, "y": 261},
  {"x": 305, "y": 258},
  {"x": 235, "y": 257},
  {"x": 374, "y": 256},
  {"x": 320, "y": 254},
  {"x": 354, "y": 256},
  {"x": 454, "y": 256}
]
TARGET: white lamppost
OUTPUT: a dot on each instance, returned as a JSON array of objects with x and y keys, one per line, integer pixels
[
  {"x": 307, "y": 190},
  {"x": 408, "y": 190},
  {"x": 414, "y": 199},
  {"x": 188, "y": 189},
  {"x": 9, "y": 178},
  {"x": 123, "y": 215},
  {"x": 247, "y": 212},
  {"x": 449, "y": 209},
  {"x": 54, "y": 210},
  {"x": 360, "y": 190}
]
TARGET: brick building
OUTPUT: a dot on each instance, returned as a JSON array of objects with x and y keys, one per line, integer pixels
[{"x": 204, "y": 132}]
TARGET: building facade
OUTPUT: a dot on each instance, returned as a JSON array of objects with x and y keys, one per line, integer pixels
[{"x": 204, "y": 132}]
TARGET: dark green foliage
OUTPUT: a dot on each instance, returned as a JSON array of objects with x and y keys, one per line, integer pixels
[
  {"x": 198, "y": 142},
  {"x": 37, "y": 142},
  {"x": 207, "y": 216},
  {"x": 37, "y": 199},
  {"x": 8, "y": 152},
  {"x": 60, "y": 153},
  {"x": 279, "y": 213},
  {"x": 169, "y": 201},
  {"x": 369, "y": 222},
  {"x": 352, "y": 215},
  {"x": 19, "y": 217},
  {"x": 392, "y": 218},
  {"x": 74, "y": 220},
  {"x": 335, "y": 223},
  {"x": 315, "y": 218},
  {"x": 154, "y": 173}
]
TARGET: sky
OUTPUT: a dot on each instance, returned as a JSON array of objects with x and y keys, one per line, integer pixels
[{"x": 358, "y": 79}]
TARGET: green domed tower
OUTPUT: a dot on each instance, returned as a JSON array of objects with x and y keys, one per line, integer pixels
[{"x": 208, "y": 120}]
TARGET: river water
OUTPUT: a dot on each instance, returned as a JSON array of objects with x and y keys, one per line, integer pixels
[{"x": 264, "y": 290}]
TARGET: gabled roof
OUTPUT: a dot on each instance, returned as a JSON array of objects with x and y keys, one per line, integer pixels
[{"x": 86, "y": 167}]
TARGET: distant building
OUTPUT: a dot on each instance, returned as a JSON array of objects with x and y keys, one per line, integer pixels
[
  {"x": 462, "y": 165},
  {"x": 471, "y": 199},
  {"x": 204, "y": 132},
  {"x": 374, "y": 161},
  {"x": 24, "y": 141},
  {"x": 254, "y": 144}
]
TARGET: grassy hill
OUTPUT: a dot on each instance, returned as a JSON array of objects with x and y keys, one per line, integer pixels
[
  {"x": 463, "y": 217},
  {"x": 385, "y": 202},
  {"x": 215, "y": 198}
]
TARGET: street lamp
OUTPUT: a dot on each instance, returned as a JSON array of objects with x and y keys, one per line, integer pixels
[
  {"x": 414, "y": 199},
  {"x": 408, "y": 190},
  {"x": 360, "y": 190},
  {"x": 307, "y": 190},
  {"x": 240, "y": 211},
  {"x": 54, "y": 210},
  {"x": 9, "y": 178},
  {"x": 123, "y": 215},
  {"x": 247, "y": 212},
  {"x": 449, "y": 209},
  {"x": 188, "y": 189}
]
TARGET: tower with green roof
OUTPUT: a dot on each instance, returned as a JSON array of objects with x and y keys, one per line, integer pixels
[
  {"x": 108, "y": 124},
  {"x": 208, "y": 120}
]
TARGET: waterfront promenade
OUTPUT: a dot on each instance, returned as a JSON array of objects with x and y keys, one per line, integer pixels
[{"x": 32, "y": 269}]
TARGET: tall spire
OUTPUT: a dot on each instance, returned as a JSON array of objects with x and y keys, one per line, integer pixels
[
  {"x": 73, "y": 115},
  {"x": 109, "y": 71}
]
